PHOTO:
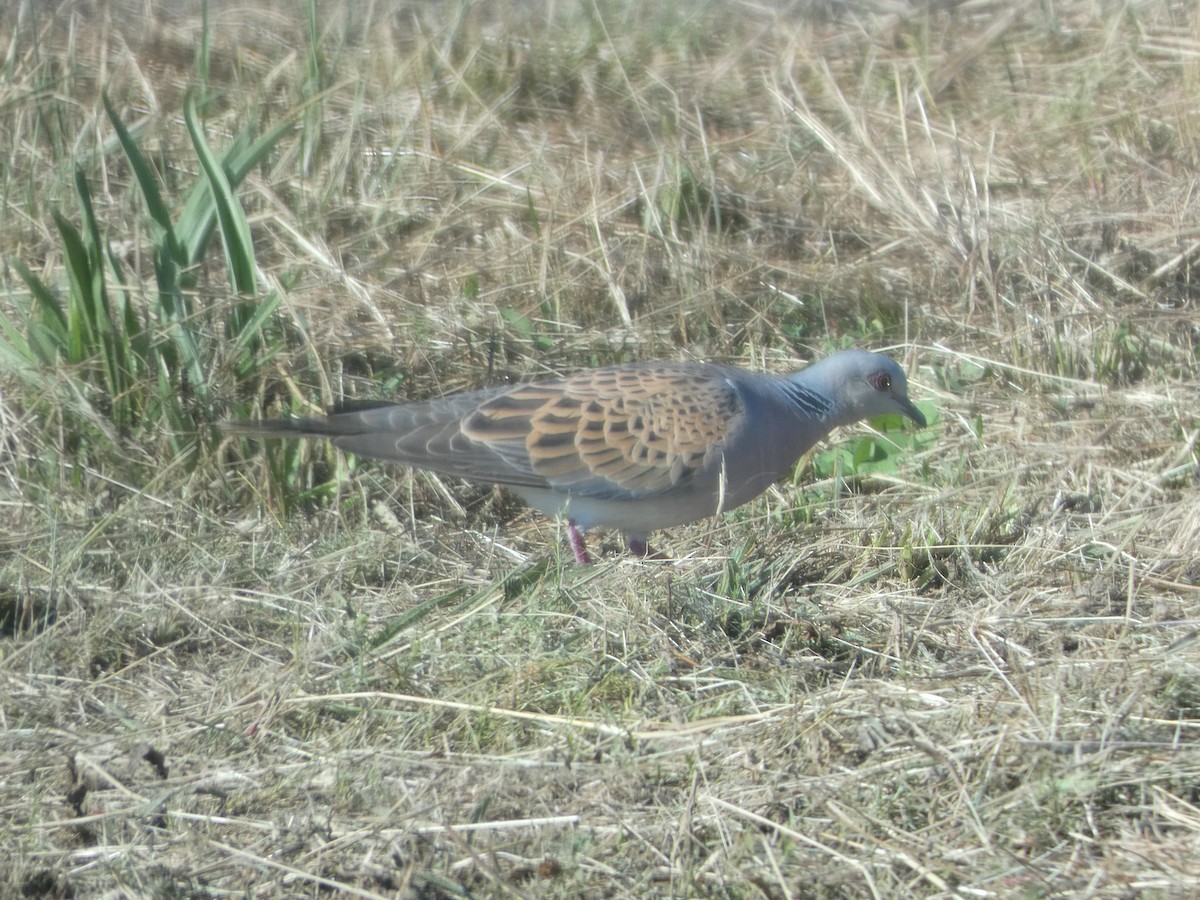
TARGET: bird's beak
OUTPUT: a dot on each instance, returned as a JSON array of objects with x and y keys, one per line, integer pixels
[{"x": 910, "y": 409}]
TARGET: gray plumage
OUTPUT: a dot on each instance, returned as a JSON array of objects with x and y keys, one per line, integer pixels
[{"x": 635, "y": 447}]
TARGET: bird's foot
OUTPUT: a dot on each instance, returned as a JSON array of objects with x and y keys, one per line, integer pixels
[
  {"x": 640, "y": 548},
  {"x": 578, "y": 544}
]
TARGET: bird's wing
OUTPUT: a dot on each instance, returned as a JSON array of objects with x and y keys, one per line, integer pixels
[{"x": 622, "y": 432}]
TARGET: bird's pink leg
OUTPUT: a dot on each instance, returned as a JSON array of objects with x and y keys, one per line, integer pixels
[
  {"x": 639, "y": 546},
  {"x": 578, "y": 544}
]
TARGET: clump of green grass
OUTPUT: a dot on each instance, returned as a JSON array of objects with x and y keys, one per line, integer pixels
[{"x": 149, "y": 372}]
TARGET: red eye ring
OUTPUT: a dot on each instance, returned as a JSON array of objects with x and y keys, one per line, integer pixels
[{"x": 881, "y": 381}]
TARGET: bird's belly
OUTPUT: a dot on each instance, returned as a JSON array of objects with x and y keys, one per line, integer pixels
[
  {"x": 634, "y": 516},
  {"x": 645, "y": 514}
]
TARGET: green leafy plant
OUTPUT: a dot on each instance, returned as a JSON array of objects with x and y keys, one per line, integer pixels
[
  {"x": 525, "y": 327},
  {"x": 135, "y": 373},
  {"x": 879, "y": 453},
  {"x": 100, "y": 337}
]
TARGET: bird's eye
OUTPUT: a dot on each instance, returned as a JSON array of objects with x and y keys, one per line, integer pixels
[{"x": 881, "y": 381}]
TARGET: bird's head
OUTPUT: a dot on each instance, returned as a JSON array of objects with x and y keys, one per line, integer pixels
[{"x": 862, "y": 385}]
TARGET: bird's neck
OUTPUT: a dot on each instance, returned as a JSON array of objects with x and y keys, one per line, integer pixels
[{"x": 809, "y": 397}]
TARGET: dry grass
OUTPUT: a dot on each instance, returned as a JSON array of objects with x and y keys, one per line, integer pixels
[{"x": 978, "y": 678}]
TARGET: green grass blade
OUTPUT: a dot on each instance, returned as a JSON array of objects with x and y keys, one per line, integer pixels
[
  {"x": 251, "y": 331},
  {"x": 169, "y": 259},
  {"x": 146, "y": 179},
  {"x": 111, "y": 340},
  {"x": 204, "y": 54},
  {"x": 130, "y": 326},
  {"x": 242, "y": 158},
  {"x": 196, "y": 223},
  {"x": 53, "y": 321},
  {"x": 81, "y": 331},
  {"x": 198, "y": 220},
  {"x": 16, "y": 350},
  {"x": 235, "y": 230},
  {"x": 199, "y": 217},
  {"x": 92, "y": 245},
  {"x": 174, "y": 312}
]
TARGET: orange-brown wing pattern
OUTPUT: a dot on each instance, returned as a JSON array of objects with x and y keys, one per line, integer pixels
[{"x": 625, "y": 430}]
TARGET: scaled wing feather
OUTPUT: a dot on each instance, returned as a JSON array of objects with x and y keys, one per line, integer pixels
[{"x": 619, "y": 432}]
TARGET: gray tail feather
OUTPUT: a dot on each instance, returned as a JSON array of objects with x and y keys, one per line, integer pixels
[
  {"x": 341, "y": 421},
  {"x": 283, "y": 428}
]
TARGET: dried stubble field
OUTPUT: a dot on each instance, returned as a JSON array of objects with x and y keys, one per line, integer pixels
[{"x": 969, "y": 669}]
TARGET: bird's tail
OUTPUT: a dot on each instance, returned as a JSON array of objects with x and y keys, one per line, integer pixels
[
  {"x": 306, "y": 426},
  {"x": 346, "y": 419}
]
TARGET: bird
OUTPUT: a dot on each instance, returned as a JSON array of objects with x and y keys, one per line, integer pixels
[{"x": 635, "y": 447}]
